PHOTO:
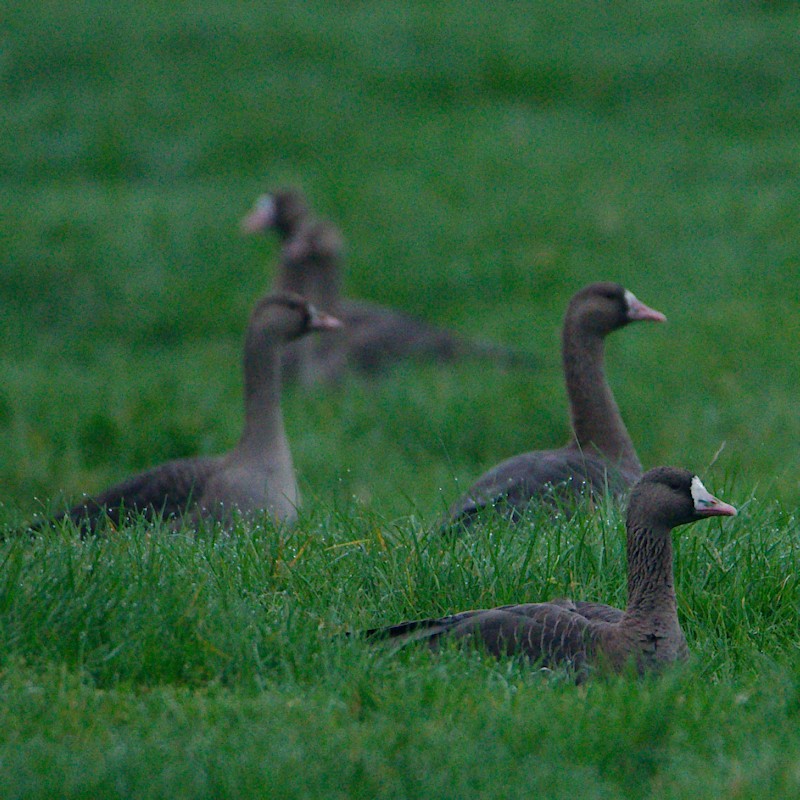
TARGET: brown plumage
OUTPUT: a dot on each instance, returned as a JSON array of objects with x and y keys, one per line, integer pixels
[
  {"x": 374, "y": 337},
  {"x": 258, "y": 473},
  {"x": 600, "y": 456},
  {"x": 562, "y": 632}
]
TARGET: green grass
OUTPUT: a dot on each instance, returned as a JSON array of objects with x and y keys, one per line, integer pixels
[
  {"x": 153, "y": 664},
  {"x": 484, "y": 162}
]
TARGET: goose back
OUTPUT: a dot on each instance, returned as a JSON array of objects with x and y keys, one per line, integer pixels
[{"x": 164, "y": 491}]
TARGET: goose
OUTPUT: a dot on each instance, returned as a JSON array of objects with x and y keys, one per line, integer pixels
[
  {"x": 374, "y": 336},
  {"x": 580, "y": 635},
  {"x": 258, "y": 473},
  {"x": 600, "y": 455}
]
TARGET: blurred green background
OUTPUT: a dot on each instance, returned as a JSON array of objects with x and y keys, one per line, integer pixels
[{"x": 484, "y": 161}]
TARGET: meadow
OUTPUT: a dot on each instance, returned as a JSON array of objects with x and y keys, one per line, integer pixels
[{"x": 484, "y": 161}]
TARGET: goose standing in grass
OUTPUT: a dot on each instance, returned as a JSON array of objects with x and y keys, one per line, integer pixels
[
  {"x": 258, "y": 473},
  {"x": 600, "y": 455},
  {"x": 562, "y": 632},
  {"x": 374, "y": 336}
]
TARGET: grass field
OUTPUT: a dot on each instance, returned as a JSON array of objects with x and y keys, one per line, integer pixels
[{"x": 484, "y": 161}]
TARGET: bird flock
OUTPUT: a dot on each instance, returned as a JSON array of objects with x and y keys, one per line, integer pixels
[{"x": 305, "y": 330}]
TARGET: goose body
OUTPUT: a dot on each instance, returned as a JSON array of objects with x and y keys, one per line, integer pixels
[
  {"x": 600, "y": 456},
  {"x": 258, "y": 473},
  {"x": 580, "y": 634},
  {"x": 374, "y": 337}
]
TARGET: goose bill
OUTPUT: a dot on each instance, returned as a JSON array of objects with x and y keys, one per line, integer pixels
[
  {"x": 706, "y": 505},
  {"x": 637, "y": 310}
]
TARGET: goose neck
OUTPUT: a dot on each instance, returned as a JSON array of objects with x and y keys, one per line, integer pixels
[
  {"x": 318, "y": 284},
  {"x": 263, "y": 425},
  {"x": 594, "y": 414},
  {"x": 651, "y": 586}
]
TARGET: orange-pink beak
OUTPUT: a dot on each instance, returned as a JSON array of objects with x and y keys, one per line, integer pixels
[
  {"x": 638, "y": 311},
  {"x": 706, "y": 505}
]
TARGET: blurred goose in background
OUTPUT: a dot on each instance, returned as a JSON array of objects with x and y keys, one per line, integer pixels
[
  {"x": 374, "y": 337},
  {"x": 562, "y": 632},
  {"x": 258, "y": 474},
  {"x": 600, "y": 456}
]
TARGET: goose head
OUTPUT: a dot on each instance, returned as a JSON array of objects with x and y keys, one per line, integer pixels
[
  {"x": 286, "y": 316},
  {"x": 282, "y": 211},
  {"x": 666, "y": 497},
  {"x": 601, "y": 308}
]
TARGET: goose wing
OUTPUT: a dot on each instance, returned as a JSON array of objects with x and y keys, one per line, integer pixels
[
  {"x": 549, "y": 634},
  {"x": 166, "y": 490}
]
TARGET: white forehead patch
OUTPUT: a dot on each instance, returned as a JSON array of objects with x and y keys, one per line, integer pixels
[
  {"x": 631, "y": 301},
  {"x": 266, "y": 204},
  {"x": 701, "y": 496}
]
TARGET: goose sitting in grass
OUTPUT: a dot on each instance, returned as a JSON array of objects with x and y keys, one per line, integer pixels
[
  {"x": 578, "y": 635},
  {"x": 600, "y": 456},
  {"x": 374, "y": 337},
  {"x": 257, "y": 475}
]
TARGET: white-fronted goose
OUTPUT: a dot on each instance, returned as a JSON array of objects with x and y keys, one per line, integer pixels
[
  {"x": 258, "y": 473},
  {"x": 647, "y": 633},
  {"x": 600, "y": 454},
  {"x": 374, "y": 337}
]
